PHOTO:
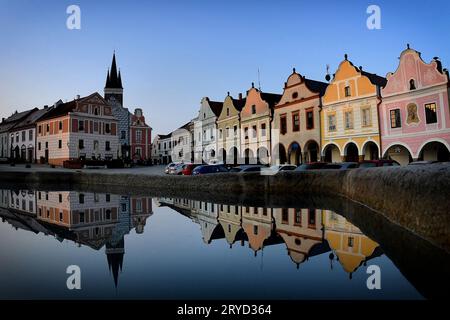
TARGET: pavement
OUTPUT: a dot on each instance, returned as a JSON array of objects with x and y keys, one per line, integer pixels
[{"x": 152, "y": 170}]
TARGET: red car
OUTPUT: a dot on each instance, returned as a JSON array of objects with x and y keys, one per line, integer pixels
[
  {"x": 378, "y": 163},
  {"x": 188, "y": 168}
]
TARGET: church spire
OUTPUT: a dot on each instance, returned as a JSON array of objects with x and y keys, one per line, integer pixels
[
  {"x": 119, "y": 81},
  {"x": 113, "y": 87},
  {"x": 107, "y": 84}
]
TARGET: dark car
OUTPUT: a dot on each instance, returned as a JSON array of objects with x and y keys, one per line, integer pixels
[
  {"x": 247, "y": 168},
  {"x": 341, "y": 166},
  {"x": 311, "y": 166},
  {"x": 207, "y": 169},
  {"x": 378, "y": 163}
]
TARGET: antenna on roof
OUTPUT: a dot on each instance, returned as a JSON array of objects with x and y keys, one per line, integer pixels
[{"x": 259, "y": 80}]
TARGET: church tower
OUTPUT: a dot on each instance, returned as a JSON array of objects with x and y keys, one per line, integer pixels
[{"x": 113, "y": 86}]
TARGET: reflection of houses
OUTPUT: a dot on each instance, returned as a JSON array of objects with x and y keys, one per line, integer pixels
[
  {"x": 350, "y": 245},
  {"x": 257, "y": 224},
  {"x": 256, "y": 124},
  {"x": 415, "y": 115},
  {"x": 302, "y": 232},
  {"x": 206, "y": 215},
  {"x": 23, "y": 201},
  {"x": 297, "y": 120},
  {"x": 230, "y": 218},
  {"x": 350, "y": 128},
  {"x": 4, "y": 198}
]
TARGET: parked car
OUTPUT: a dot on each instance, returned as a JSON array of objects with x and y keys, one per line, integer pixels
[
  {"x": 207, "y": 169},
  {"x": 378, "y": 163},
  {"x": 188, "y": 168},
  {"x": 169, "y": 166},
  {"x": 341, "y": 166},
  {"x": 421, "y": 163},
  {"x": 310, "y": 166},
  {"x": 247, "y": 168},
  {"x": 177, "y": 169},
  {"x": 278, "y": 168}
]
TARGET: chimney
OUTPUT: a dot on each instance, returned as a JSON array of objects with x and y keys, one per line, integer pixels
[
  {"x": 3, "y": 119},
  {"x": 240, "y": 96},
  {"x": 78, "y": 97},
  {"x": 46, "y": 106}
]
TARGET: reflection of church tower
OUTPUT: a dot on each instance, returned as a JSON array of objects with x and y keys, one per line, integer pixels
[
  {"x": 113, "y": 85},
  {"x": 114, "y": 255}
]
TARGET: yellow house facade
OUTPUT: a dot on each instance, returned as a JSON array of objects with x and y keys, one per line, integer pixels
[
  {"x": 349, "y": 117},
  {"x": 228, "y": 129}
]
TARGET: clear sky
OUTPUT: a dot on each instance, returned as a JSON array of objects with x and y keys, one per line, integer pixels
[{"x": 172, "y": 53}]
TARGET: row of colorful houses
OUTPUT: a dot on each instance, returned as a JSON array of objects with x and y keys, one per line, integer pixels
[
  {"x": 91, "y": 127},
  {"x": 356, "y": 115}
]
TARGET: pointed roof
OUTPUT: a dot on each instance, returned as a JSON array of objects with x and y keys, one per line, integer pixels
[{"x": 113, "y": 78}]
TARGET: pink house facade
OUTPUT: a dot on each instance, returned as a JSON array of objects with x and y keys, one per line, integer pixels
[{"x": 414, "y": 114}]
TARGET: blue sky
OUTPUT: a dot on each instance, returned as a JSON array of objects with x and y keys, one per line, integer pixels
[{"x": 171, "y": 54}]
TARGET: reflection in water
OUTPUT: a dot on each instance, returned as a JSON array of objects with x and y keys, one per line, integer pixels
[
  {"x": 306, "y": 232},
  {"x": 91, "y": 219},
  {"x": 315, "y": 240}
]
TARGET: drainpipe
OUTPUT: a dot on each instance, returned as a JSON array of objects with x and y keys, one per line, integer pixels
[{"x": 379, "y": 100}]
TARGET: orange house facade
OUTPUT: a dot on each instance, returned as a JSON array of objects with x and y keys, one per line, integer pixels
[
  {"x": 82, "y": 128},
  {"x": 297, "y": 120}
]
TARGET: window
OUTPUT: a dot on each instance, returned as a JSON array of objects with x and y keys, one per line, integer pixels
[
  {"x": 253, "y": 109},
  {"x": 228, "y": 111},
  {"x": 348, "y": 118},
  {"x": 81, "y": 198},
  {"x": 350, "y": 242},
  {"x": 235, "y": 129},
  {"x": 298, "y": 217},
  {"x": 96, "y": 111},
  {"x": 331, "y": 122},
  {"x": 138, "y": 205},
  {"x": 107, "y": 146},
  {"x": 60, "y": 216},
  {"x": 412, "y": 84},
  {"x": 123, "y": 135},
  {"x": 39, "y": 129},
  {"x": 39, "y": 146},
  {"x": 107, "y": 128},
  {"x": 48, "y": 214},
  {"x": 246, "y": 132},
  {"x": 284, "y": 215},
  {"x": 254, "y": 131},
  {"x": 124, "y": 207},
  {"x": 30, "y": 135},
  {"x": 295, "y": 121},
  {"x": 60, "y": 125},
  {"x": 46, "y": 145},
  {"x": 283, "y": 124},
  {"x": 347, "y": 91},
  {"x": 227, "y": 130},
  {"x": 48, "y": 127},
  {"x": 220, "y": 133},
  {"x": 264, "y": 211},
  {"x": 263, "y": 130},
  {"x": 59, "y": 144},
  {"x": 81, "y": 144},
  {"x": 295, "y": 95},
  {"x": 430, "y": 113},
  {"x": 96, "y": 197},
  {"x": 81, "y": 217},
  {"x": 312, "y": 218},
  {"x": 366, "y": 121},
  {"x": 309, "y": 119},
  {"x": 138, "y": 152},
  {"x": 395, "y": 118},
  {"x": 23, "y": 136},
  {"x": 108, "y": 214},
  {"x": 95, "y": 145},
  {"x": 96, "y": 126},
  {"x": 81, "y": 125},
  {"x": 60, "y": 198},
  {"x": 255, "y": 230}
]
